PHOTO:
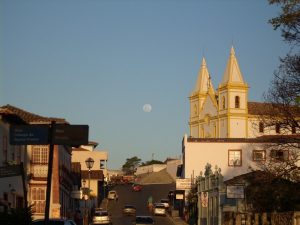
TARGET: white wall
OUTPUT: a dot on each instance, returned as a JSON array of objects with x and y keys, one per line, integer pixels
[
  {"x": 172, "y": 167},
  {"x": 150, "y": 168},
  {"x": 198, "y": 154},
  {"x": 81, "y": 156}
]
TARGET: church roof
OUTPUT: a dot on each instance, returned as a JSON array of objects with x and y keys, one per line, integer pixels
[
  {"x": 262, "y": 108},
  {"x": 232, "y": 72},
  {"x": 203, "y": 83},
  {"x": 28, "y": 117}
]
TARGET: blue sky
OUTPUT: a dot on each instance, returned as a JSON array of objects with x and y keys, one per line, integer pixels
[{"x": 98, "y": 62}]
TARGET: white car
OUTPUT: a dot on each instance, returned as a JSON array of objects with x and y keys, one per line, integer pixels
[
  {"x": 101, "y": 217},
  {"x": 159, "y": 209},
  {"x": 112, "y": 195},
  {"x": 165, "y": 202}
]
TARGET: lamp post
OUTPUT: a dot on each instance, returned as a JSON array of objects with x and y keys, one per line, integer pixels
[
  {"x": 89, "y": 162},
  {"x": 84, "y": 194}
]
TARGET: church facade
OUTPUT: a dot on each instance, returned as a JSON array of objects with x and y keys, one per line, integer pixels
[{"x": 225, "y": 112}]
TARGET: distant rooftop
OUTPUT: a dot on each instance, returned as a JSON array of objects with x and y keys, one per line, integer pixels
[{"x": 28, "y": 117}]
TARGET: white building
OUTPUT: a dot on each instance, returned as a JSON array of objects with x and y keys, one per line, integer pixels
[
  {"x": 226, "y": 132},
  {"x": 95, "y": 178}
]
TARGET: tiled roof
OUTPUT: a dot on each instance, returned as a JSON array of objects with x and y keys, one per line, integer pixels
[
  {"x": 27, "y": 116},
  {"x": 262, "y": 139},
  {"x": 262, "y": 108},
  {"x": 80, "y": 150}
]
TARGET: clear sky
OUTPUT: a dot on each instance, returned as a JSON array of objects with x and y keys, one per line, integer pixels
[{"x": 98, "y": 62}]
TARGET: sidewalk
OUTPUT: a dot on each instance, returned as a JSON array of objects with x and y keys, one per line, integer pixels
[{"x": 177, "y": 220}]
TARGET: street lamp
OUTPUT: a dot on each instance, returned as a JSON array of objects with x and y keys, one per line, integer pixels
[{"x": 89, "y": 162}]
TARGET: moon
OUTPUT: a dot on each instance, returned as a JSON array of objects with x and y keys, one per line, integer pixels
[{"x": 147, "y": 108}]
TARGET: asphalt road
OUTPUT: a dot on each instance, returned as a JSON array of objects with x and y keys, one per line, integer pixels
[{"x": 139, "y": 200}]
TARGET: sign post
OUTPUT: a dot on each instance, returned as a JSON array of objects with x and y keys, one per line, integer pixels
[{"x": 56, "y": 134}]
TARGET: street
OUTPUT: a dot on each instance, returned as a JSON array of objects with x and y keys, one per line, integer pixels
[{"x": 139, "y": 200}]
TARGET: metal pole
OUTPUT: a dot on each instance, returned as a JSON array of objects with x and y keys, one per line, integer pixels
[
  {"x": 25, "y": 194},
  {"x": 49, "y": 177},
  {"x": 88, "y": 212}
]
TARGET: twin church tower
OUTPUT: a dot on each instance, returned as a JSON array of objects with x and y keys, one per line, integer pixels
[{"x": 221, "y": 113}]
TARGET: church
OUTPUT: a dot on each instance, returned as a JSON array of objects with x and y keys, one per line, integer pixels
[
  {"x": 226, "y": 111},
  {"x": 228, "y": 138}
]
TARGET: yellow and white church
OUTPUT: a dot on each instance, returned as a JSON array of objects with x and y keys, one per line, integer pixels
[{"x": 225, "y": 112}]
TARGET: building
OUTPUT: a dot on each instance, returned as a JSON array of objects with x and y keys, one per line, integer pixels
[
  {"x": 228, "y": 136},
  {"x": 95, "y": 177},
  {"x": 226, "y": 112},
  {"x": 35, "y": 161}
]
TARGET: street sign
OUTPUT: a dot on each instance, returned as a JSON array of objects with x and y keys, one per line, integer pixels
[
  {"x": 29, "y": 135},
  {"x": 72, "y": 135},
  {"x": 183, "y": 184},
  {"x": 235, "y": 191},
  {"x": 10, "y": 171}
]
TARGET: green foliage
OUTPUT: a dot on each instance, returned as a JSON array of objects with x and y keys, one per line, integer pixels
[
  {"x": 153, "y": 161},
  {"x": 288, "y": 19},
  {"x": 267, "y": 193},
  {"x": 16, "y": 216},
  {"x": 130, "y": 165},
  {"x": 208, "y": 170}
]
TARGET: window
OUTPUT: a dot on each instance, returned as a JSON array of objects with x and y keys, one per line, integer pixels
[
  {"x": 259, "y": 155},
  {"x": 279, "y": 155},
  {"x": 40, "y": 154},
  {"x": 277, "y": 128},
  {"x": 237, "y": 102},
  {"x": 234, "y": 157},
  {"x": 5, "y": 148},
  {"x": 293, "y": 129},
  {"x": 261, "y": 127},
  {"x": 195, "y": 109},
  {"x": 223, "y": 102},
  {"x": 38, "y": 196}
]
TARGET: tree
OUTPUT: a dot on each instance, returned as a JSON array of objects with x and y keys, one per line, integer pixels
[
  {"x": 151, "y": 162},
  {"x": 281, "y": 111},
  {"x": 288, "y": 20},
  {"x": 266, "y": 193},
  {"x": 130, "y": 165}
]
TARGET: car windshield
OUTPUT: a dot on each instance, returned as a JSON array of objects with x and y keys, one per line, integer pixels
[
  {"x": 146, "y": 220},
  {"x": 164, "y": 201},
  {"x": 129, "y": 206},
  {"x": 101, "y": 213}
]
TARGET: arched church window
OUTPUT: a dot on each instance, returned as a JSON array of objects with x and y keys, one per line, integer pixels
[
  {"x": 261, "y": 127},
  {"x": 237, "y": 102},
  {"x": 277, "y": 128},
  {"x": 223, "y": 102},
  {"x": 195, "y": 109}
]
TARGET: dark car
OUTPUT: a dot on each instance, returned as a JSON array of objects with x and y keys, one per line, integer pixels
[
  {"x": 54, "y": 222},
  {"x": 143, "y": 220}
]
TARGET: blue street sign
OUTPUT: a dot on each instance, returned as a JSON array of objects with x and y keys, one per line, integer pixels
[{"x": 29, "y": 135}]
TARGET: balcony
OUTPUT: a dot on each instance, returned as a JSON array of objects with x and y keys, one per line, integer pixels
[{"x": 40, "y": 171}]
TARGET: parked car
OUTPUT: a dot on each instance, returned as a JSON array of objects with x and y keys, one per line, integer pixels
[
  {"x": 112, "y": 195},
  {"x": 143, "y": 220},
  {"x": 129, "y": 210},
  {"x": 136, "y": 187},
  {"x": 159, "y": 209},
  {"x": 54, "y": 222},
  {"x": 101, "y": 217},
  {"x": 165, "y": 201}
]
